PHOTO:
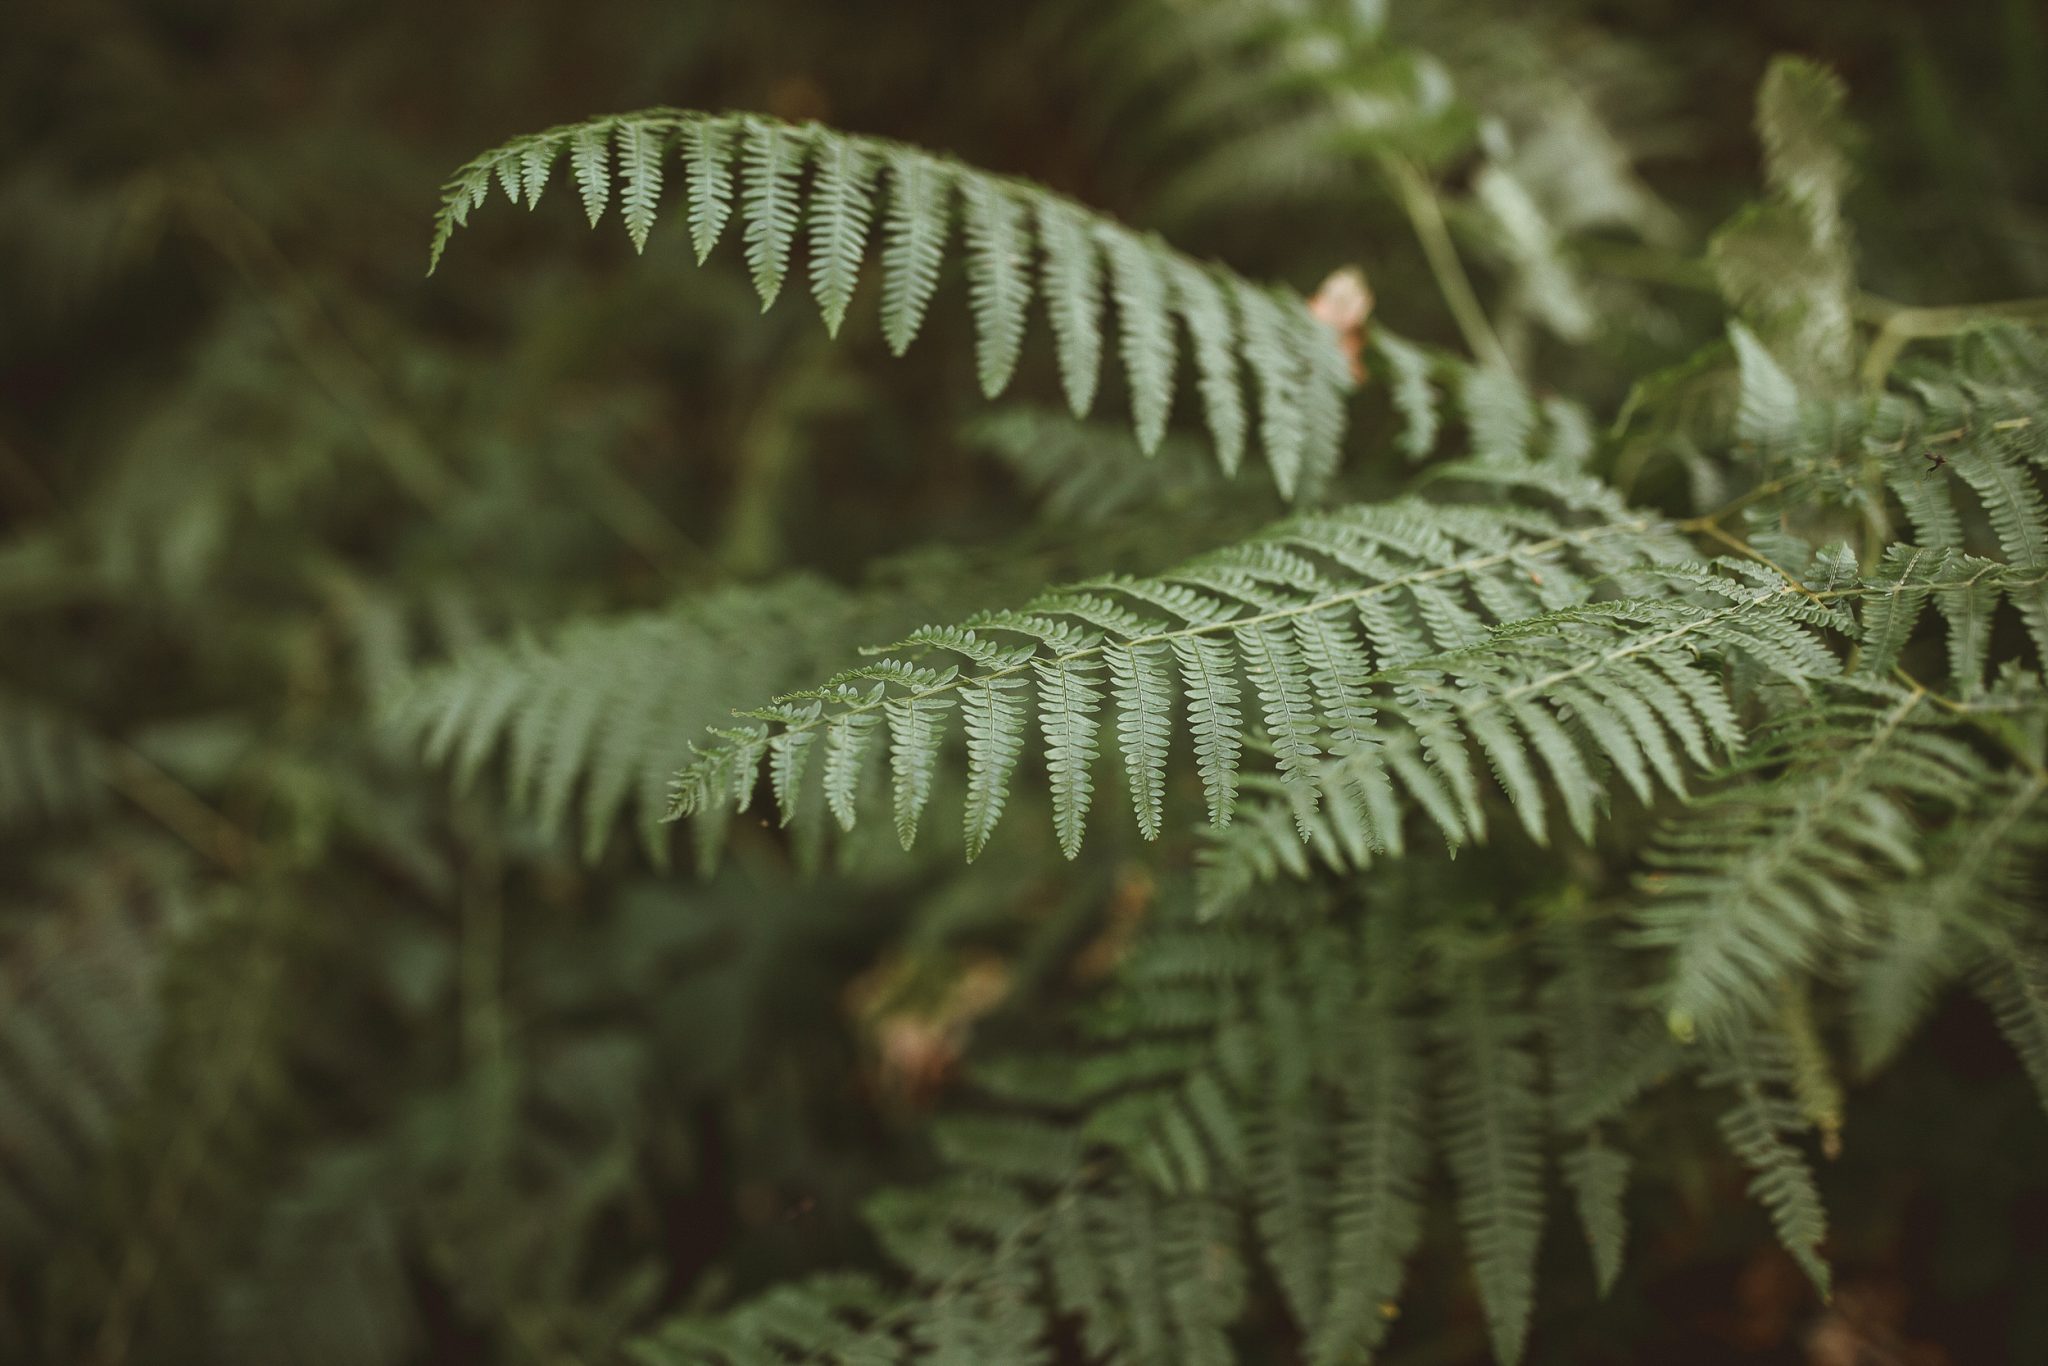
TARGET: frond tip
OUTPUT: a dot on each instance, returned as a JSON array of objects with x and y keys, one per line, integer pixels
[{"x": 783, "y": 179}]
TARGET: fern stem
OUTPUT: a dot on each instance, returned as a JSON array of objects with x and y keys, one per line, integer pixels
[
  {"x": 1736, "y": 543},
  {"x": 1426, "y": 215},
  {"x": 1975, "y": 715},
  {"x": 181, "y": 810},
  {"x": 1902, "y": 325}
]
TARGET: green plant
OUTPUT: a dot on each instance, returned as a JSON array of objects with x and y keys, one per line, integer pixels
[
  {"x": 1518, "y": 644},
  {"x": 1456, "y": 782}
]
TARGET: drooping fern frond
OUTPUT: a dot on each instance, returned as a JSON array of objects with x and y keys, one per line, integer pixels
[
  {"x": 600, "y": 716},
  {"x": 1781, "y": 872},
  {"x": 1021, "y": 241},
  {"x": 1602, "y": 1054},
  {"x": 1293, "y": 627},
  {"x": 2013, "y": 980},
  {"x": 1493, "y": 1138},
  {"x": 1754, "y": 1063}
]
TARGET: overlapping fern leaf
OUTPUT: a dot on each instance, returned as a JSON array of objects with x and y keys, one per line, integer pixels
[{"x": 1021, "y": 241}]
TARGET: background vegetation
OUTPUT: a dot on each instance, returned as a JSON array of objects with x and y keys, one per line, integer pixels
[{"x": 356, "y": 1003}]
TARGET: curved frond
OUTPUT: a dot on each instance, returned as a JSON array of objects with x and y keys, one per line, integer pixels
[{"x": 784, "y": 177}]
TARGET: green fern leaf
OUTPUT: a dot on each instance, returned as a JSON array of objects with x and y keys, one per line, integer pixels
[
  {"x": 1382, "y": 1158},
  {"x": 536, "y": 160},
  {"x": 1598, "y": 1177},
  {"x": 1275, "y": 667},
  {"x": 1505, "y": 752},
  {"x": 1067, "y": 701},
  {"x": 707, "y": 152},
  {"x": 1073, "y": 296},
  {"x": 1271, "y": 357},
  {"x": 1206, "y": 311},
  {"x": 787, "y": 754},
  {"x": 590, "y": 160},
  {"x": 2013, "y": 980},
  {"x": 841, "y": 207},
  {"x": 1409, "y": 389},
  {"x": 640, "y": 158},
  {"x": 1210, "y": 678},
  {"x": 510, "y": 179},
  {"x": 1142, "y": 684},
  {"x": 920, "y": 216},
  {"x": 771, "y": 160},
  {"x": 1754, "y": 1065},
  {"x": 915, "y": 727},
  {"x": 847, "y": 740},
  {"x": 1146, "y": 331},
  {"x": 1301, "y": 371},
  {"x": 999, "y": 277},
  {"x": 1491, "y": 1126},
  {"x": 994, "y": 720},
  {"x": 1498, "y": 413},
  {"x": 1799, "y": 115}
]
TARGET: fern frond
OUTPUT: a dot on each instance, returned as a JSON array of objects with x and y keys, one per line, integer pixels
[
  {"x": 706, "y": 148},
  {"x": 841, "y": 207},
  {"x": 640, "y": 162},
  {"x": 1144, "y": 703},
  {"x": 601, "y": 716},
  {"x": 1598, "y": 1176},
  {"x": 1492, "y": 1135},
  {"x": 590, "y": 163},
  {"x": 1067, "y": 700},
  {"x": 915, "y": 728},
  {"x": 1382, "y": 1155},
  {"x": 1924, "y": 932},
  {"x": 1767, "y": 878},
  {"x": 771, "y": 159},
  {"x": 1554, "y": 703},
  {"x": 1786, "y": 264},
  {"x": 999, "y": 276},
  {"x": 1755, "y": 1065},
  {"x": 1137, "y": 269},
  {"x": 1236, "y": 619},
  {"x": 1233, "y": 325},
  {"x": 2013, "y": 980},
  {"x": 1073, "y": 299}
]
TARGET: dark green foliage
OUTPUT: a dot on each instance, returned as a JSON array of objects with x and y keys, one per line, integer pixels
[{"x": 1579, "y": 709}]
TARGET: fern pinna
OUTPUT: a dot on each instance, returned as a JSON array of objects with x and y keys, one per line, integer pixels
[{"x": 1844, "y": 792}]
